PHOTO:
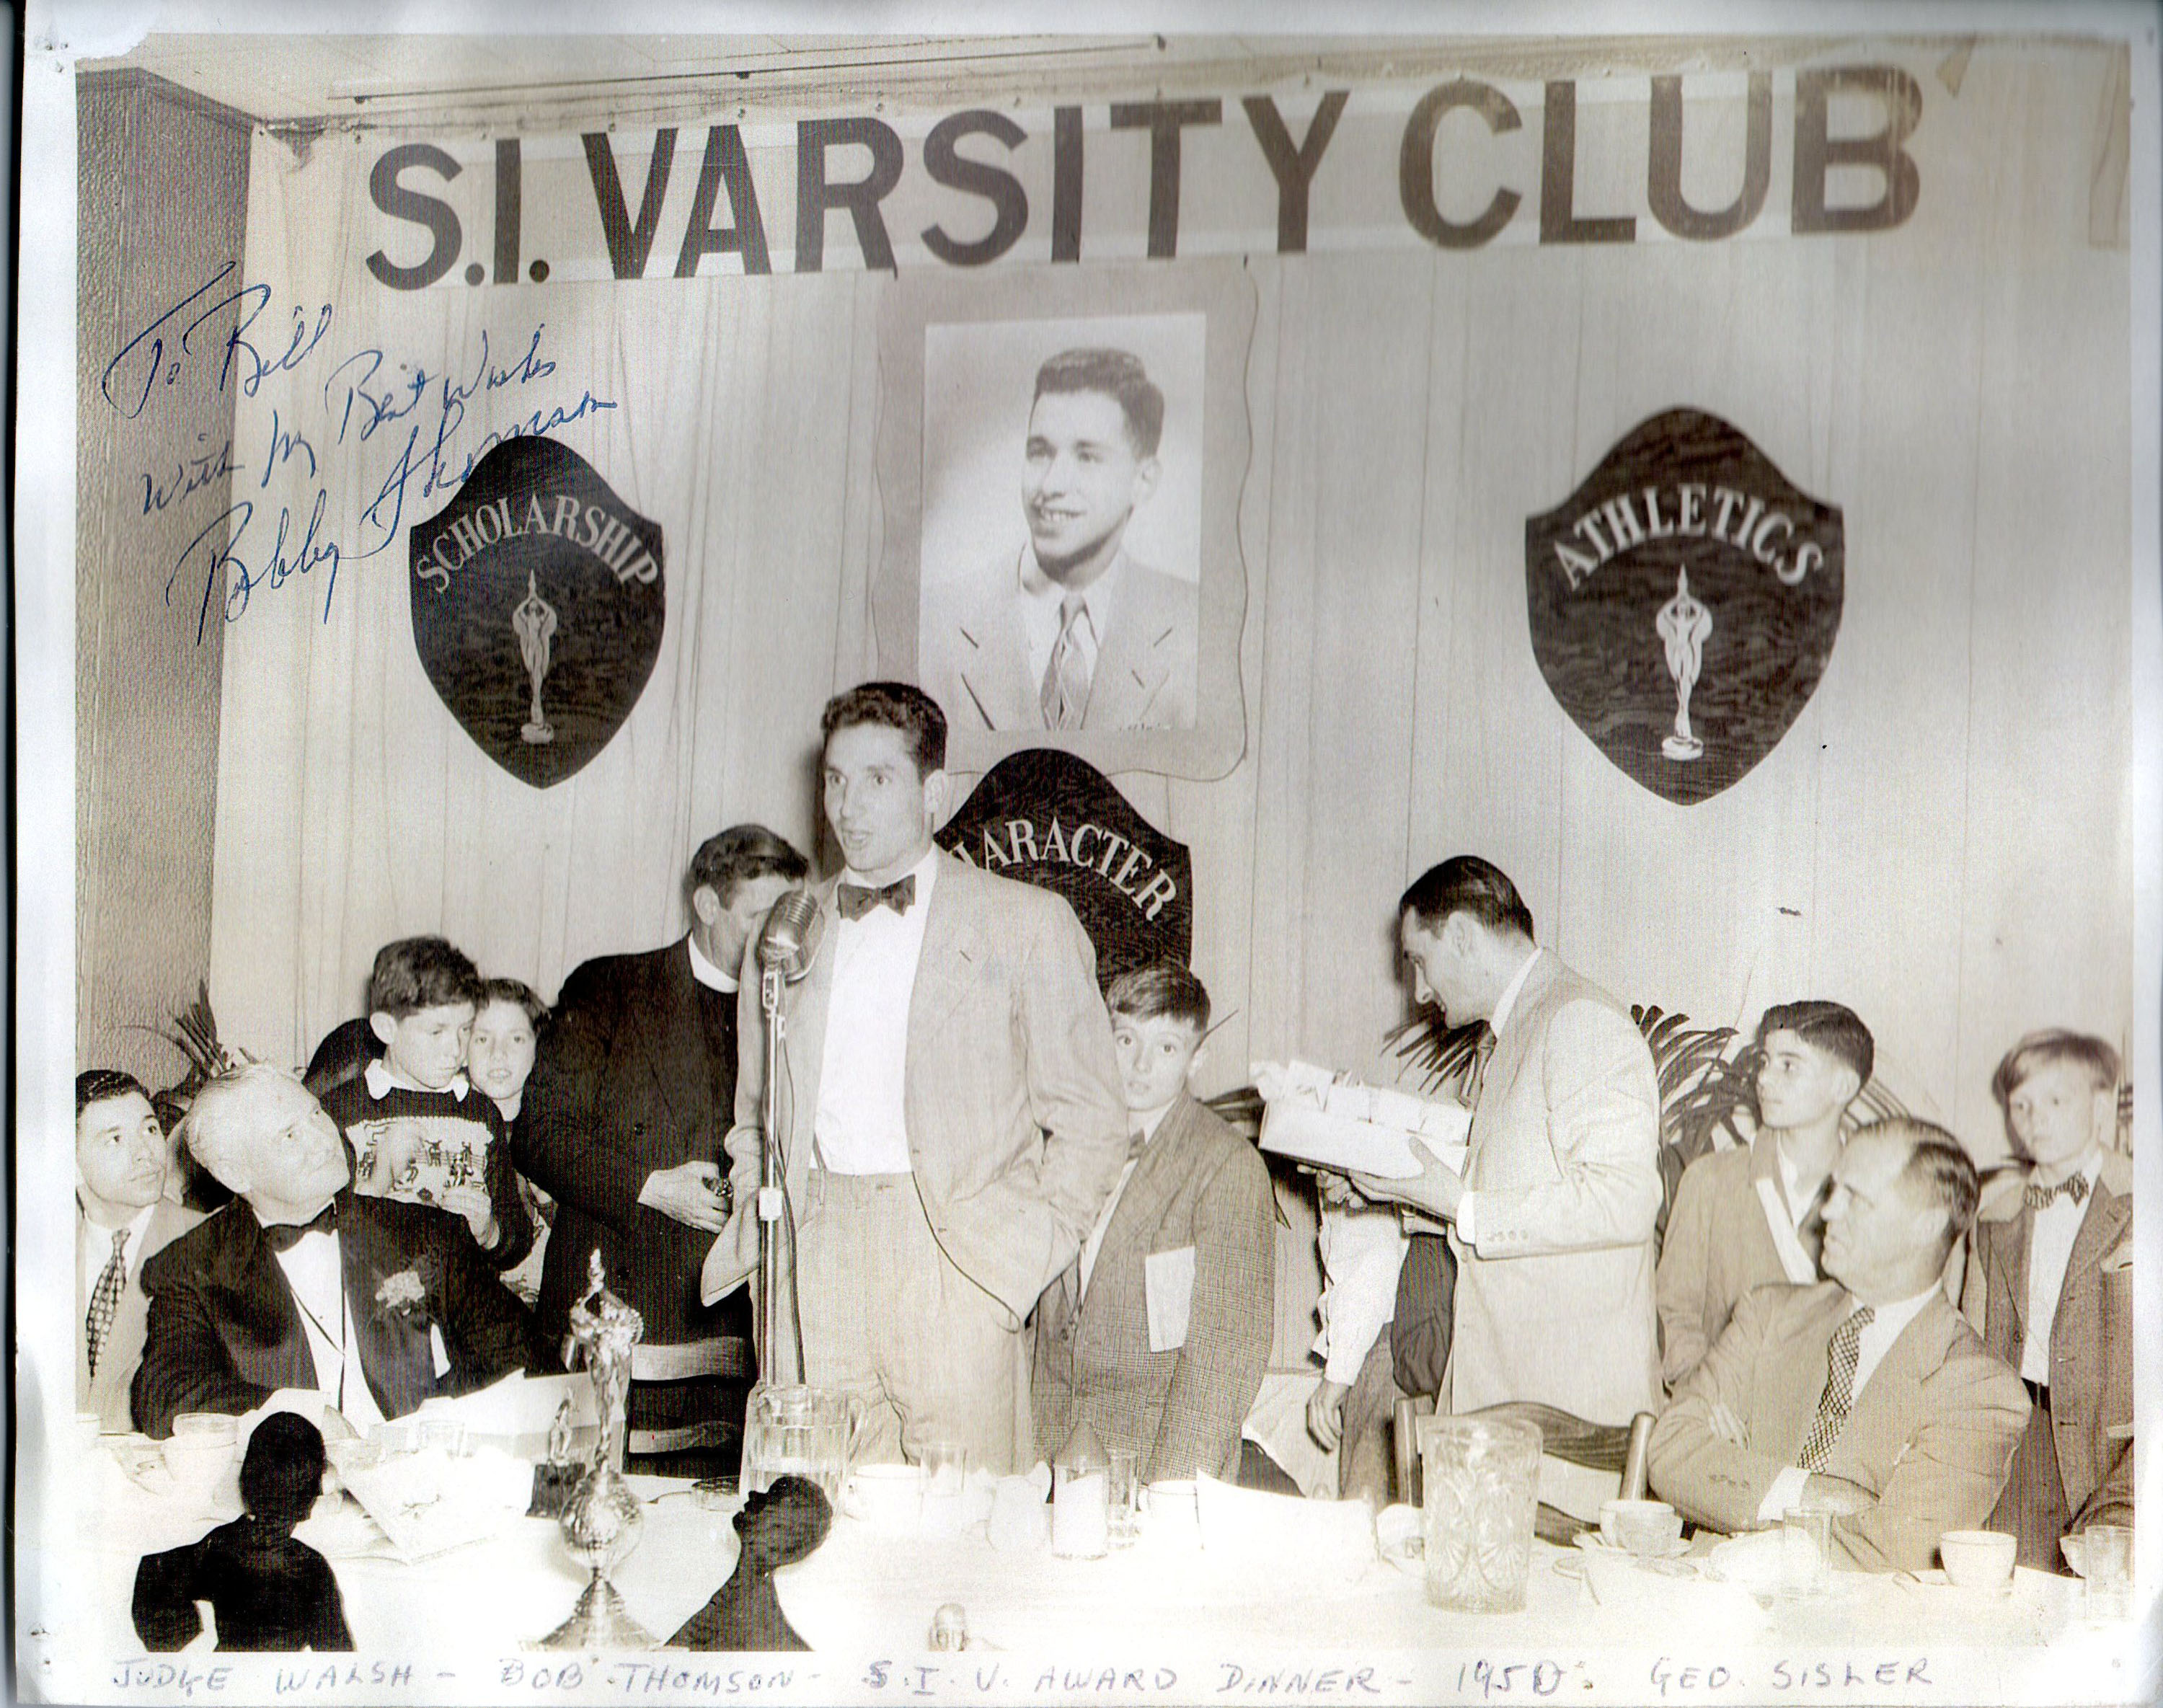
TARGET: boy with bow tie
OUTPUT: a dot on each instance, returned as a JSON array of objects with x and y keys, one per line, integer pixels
[{"x": 2050, "y": 1287}]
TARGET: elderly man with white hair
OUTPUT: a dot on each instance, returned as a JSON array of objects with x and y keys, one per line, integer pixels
[{"x": 300, "y": 1283}]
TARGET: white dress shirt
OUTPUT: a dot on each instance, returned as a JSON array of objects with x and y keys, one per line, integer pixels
[
  {"x": 1043, "y": 616},
  {"x": 314, "y": 1268},
  {"x": 1871, "y": 1347},
  {"x": 862, "y": 1124},
  {"x": 1363, "y": 1249},
  {"x": 2050, "y": 1250},
  {"x": 1496, "y": 1021},
  {"x": 98, "y": 1251}
]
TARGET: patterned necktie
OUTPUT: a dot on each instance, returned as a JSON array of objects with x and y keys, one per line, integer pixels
[
  {"x": 104, "y": 1297},
  {"x": 2074, "y": 1187},
  {"x": 1839, "y": 1394},
  {"x": 1475, "y": 1076},
  {"x": 1065, "y": 692},
  {"x": 854, "y": 900}
]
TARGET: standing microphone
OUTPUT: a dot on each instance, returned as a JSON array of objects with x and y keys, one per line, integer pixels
[{"x": 790, "y": 936}]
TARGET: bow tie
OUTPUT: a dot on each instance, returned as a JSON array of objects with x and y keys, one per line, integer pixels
[
  {"x": 855, "y": 900},
  {"x": 284, "y": 1236},
  {"x": 2074, "y": 1187}
]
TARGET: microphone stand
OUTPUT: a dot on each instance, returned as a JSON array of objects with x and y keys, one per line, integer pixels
[{"x": 770, "y": 981}]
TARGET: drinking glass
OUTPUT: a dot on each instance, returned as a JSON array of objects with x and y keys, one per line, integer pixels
[
  {"x": 2107, "y": 1556},
  {"x": 946, "y": 1484},
  {"x": 1805, "y": 1551},
  {"x": 1480, "y": 1484},
  {"x": 1123, "y": 1497}
]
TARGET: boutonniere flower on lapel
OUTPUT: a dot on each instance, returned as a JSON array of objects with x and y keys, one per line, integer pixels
[{"x": 403, "y": 1295}]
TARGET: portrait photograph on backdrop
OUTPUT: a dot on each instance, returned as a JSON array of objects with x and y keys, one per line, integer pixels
[
  {"x": 1065, "y": 526},
  {"x": 1160, "y": 868}
]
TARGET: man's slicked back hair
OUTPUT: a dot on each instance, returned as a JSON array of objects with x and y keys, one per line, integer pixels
[
  {"x": 740, "y": 855},
  {"x": 1464, "y": 884}
]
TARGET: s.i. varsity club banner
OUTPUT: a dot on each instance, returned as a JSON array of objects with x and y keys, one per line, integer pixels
[{"x": 1674, "y": 433}]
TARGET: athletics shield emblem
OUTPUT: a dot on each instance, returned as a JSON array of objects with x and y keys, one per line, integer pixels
[
  {"x": 1684, "y": 602},
  {"x": 538, "y": 605}
]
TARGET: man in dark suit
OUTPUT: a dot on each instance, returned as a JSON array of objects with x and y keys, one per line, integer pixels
[
  {"x": 300, "y": 1283},
  {"x": 2050, "y": 1287},
  {"x": 622, "y": 1125}
]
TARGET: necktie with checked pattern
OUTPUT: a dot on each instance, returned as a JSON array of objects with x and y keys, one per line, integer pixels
[
  {"x": 1839, "y": 1396},
  {"x": 1065, "y": 692},
  {"x": 104, "y": 1297}
]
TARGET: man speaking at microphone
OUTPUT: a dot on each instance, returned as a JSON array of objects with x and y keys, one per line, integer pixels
[
  {"x": 622, "y": 1124},
  {"x": 952, "y": 1118}
]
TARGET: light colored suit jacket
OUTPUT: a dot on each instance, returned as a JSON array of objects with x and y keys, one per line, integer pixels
[
  {"x": 1930, "y": 1435},
  {"x": 974, "y": 659},
  {"x": 1718, "y": 1247},
  {"x": 106, "y": 1393},
  {"x": 1197, "y": 1188},
  {"x": 1554, "y": 1302},
  {"x": 2090, "y": 1335},
  {"x": 1016, "y": 1124}
]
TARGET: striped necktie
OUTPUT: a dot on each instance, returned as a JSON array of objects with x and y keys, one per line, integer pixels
[
  {"x": 1065, "y": 692},
  {"x": 1839, "y": 1396},
  {"x": 105, "y": 1298}
]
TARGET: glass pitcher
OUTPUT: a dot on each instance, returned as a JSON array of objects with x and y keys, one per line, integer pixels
[
  {"x": 811, "y": 1432},
  {"x": 1480, "y": 1480}
]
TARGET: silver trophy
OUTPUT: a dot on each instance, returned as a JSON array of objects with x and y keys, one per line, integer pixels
[
  {"x": 602, "y": 1521},
  {"x": 1683, "y": 623},
  {"x": 534, "y": 622}
]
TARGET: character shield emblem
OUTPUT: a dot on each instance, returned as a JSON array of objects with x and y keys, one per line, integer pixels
[
  {"x": 1684, "y": 602},
  {"x": 538, "y": 605}
]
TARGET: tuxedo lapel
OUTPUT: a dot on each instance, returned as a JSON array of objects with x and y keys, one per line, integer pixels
[
  {"x": 394, "y": 1351},
  {"x": 250, "y": 1291}
]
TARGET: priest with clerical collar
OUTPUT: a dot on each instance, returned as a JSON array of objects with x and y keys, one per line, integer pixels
[{"x": 300, "y": 1283}]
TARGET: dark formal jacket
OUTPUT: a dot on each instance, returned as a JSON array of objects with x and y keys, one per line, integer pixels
[
  {"x": 224, "y": 1331},
  {"x": 1197, "y": 1189},
  {"x": 626, "y": 1082},
  {"x": 2090, "y": 1334}
]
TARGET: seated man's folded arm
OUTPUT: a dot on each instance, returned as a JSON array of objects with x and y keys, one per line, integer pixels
[{"x": 1709, "y": 1479}]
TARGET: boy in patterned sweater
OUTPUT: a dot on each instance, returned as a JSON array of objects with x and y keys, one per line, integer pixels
[{"x": 417, "y": 1129}]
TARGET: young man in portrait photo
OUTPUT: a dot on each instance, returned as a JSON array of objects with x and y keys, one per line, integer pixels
[{"x": 1070, "y": 632}]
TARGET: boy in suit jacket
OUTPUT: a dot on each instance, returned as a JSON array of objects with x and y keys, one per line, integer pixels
[
  {"x": 300, "y": 1282},
  {"x": 2050, "y": 1287},
  {"x": 1158, "y": 1332},
  {"x": 121, "y": 1219},
  {"x": 1867, "y": 1393}
]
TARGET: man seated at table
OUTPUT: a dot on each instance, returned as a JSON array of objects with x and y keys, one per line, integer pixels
[
  {"x": 1866, "y": 1394},
  {"x": 1157, "y": 1333},
  {"x": 301, "y": 1283},
  {"x": 2048, "y": 1275},
  {"x": 1744, "y": 1219},
  {"x": 121, "y": 1219}
]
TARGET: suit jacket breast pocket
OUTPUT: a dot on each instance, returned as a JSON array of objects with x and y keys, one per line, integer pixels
[{"x": 1168, "y": 1283}]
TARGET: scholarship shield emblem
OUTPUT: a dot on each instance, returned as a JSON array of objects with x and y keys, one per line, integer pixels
[
  {"x": 538, "y": 605},
  {"x": 1684, "y": 602},
  {"x": 1049, "y": 818}
]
